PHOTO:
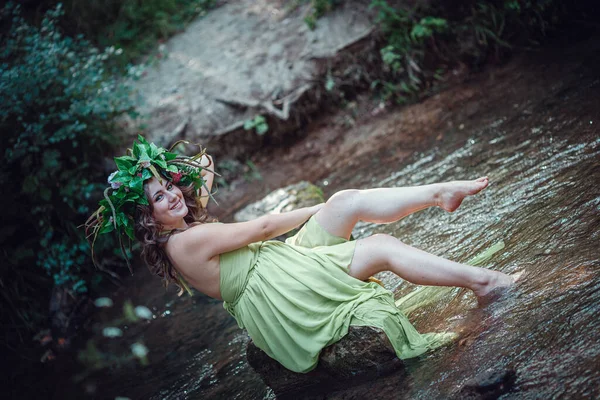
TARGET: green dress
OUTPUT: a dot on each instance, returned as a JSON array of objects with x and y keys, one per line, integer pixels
[{"x": 295, "y": 298}]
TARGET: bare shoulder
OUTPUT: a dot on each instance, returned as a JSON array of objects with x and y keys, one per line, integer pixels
[
  {"x": 211, "y": 239},
  {"x": 192, "y": 240}
]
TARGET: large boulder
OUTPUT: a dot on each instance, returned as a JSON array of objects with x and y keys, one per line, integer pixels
[
  {"x": 363, "y": 354},
  {"x": 488, "y": 385},
  {"x": 244, "y": 59}
]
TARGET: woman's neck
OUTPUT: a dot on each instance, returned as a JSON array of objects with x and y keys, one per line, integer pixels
[
  {"x": 168, "y": 230},
  {"x": 181, "y": 225}
]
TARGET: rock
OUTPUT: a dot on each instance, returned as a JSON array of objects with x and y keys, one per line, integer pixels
[
  {"x": 216, "y": 82},
  {"x": 302, "y": 194},
  {"x": 363, "y": 354},
  {"x": 488, "y": 385}
]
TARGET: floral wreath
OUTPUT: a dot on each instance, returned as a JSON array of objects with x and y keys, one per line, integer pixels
[{"x": 126, "y": 190}]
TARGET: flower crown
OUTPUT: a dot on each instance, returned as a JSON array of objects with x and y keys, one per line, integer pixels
[{"x": 126, "y": 190}]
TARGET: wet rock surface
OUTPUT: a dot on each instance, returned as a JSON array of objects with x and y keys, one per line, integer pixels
[
  {"x": 488, "y": 385},
  {"x": 364, "y": 353}
]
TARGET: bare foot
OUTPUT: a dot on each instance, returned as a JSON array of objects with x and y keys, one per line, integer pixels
[
  {"x": 453, "y": 193},
  {"x": 497, "y": 287}
]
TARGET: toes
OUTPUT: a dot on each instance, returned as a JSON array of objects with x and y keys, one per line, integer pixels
[
  {"x": 516, "y": 276},
  {"x": 482, "y": 183}
]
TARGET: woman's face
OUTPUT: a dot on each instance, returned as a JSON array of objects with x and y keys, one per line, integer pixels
[{"x": 168, "y": 204}]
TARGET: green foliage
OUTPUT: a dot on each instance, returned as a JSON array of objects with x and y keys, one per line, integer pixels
[
  {"x": 419, "y": 38},
  {"x": 58, "y": 106},
  {"x": 132, "y": 25},
  {"x": 259, "y": 123},
  {"x": 318, "y": 9},
  {"x": 251, "y": 172}
]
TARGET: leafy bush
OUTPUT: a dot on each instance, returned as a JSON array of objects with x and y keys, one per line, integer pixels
[
  {"x": 58, "y": 105},
  {"x": 133, "y": 25},
  {"x": 318, "y": 9},
  {"x": 259, "y": 123},
  {"x": 423, "y": 40}
]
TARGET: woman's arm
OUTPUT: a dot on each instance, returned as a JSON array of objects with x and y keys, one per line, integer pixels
[
  {"x": 278, "y": 224},
  {"x": 208, "y": 175},
  {"x": 209, "y": 240}
]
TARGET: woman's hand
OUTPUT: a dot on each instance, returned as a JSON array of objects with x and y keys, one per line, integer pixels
[
  {"x": 207, "y": 173},
  {"x": 206, "y": 162}
]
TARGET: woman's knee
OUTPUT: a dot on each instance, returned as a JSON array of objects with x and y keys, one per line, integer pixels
[
  {"x": 344, "y": 199},
  {"x": 371, "y": 256},
  {"x": 380, "y": 246},
  {"x": 383, "y": 242}
]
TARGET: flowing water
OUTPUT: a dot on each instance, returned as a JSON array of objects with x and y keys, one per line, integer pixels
[
  {"x": 543, "y": 160},
  {"x": 544, "y": 203}
]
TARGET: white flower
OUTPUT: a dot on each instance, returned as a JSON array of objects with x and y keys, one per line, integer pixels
[
  {"x": 111, "y": 176},
  {"x": 114, "y": 185},
  {"x": 143, "y": 312},
  {"x": 139, "y": 350},
  {"x": 103, "y": 301},
  {"x": 112, "y": 332}
]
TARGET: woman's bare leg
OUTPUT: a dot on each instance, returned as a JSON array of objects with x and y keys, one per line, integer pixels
[
  {"x": 383, "y": 252},
  {"x": 344, "y": 209}
]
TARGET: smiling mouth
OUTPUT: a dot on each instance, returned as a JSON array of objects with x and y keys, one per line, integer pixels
[{"x": 176, "y": 205}]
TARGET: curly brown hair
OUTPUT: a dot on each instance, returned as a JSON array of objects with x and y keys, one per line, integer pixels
[{"x": 149, "y": 233}]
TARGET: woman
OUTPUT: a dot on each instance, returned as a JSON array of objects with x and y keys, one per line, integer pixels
[{"x": 297, "y": 297}]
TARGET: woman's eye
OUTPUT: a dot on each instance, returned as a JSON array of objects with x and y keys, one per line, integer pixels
[
  {"x": 170, "y": 186},
  {"x": 159, "y": 197}
]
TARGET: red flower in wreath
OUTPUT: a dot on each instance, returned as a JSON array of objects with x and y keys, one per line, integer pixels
[{"x": 175, "y": 176}]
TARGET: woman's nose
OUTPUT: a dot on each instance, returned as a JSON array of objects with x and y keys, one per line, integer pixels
[{"x": 172, "y": 197}]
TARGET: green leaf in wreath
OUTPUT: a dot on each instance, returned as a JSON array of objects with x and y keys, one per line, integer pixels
[
  {"x": 161, "y": 163},
  {"x": 153, "y": 153},
  {"x": 123, "y": 163},
  {"x": 129, "y": 231},
  {"x": 142, "y": 140},
  {"x": 108, "y": 227},
  {"x": 169, "y": 156},
  {"x": 137, "y": 183}
]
